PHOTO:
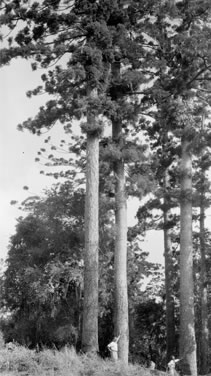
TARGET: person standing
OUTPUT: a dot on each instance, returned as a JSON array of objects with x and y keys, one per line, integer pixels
[
  {"x": 113, "y": 348},
  {"x": 172, "y": 365},
  {"x": 152, "y": 365}
]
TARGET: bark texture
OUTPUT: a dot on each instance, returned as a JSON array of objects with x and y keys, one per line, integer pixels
[
  {"x": 187, "y": 329},
  {"x": 90, "y": 304},
  {"x": 204, "y": 332},
  {"x": 169, "y": 272},
  {"x": 121, "y": 293}
]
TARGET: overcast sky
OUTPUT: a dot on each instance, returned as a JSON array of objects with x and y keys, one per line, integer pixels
[{"x": 18, "y": 151}]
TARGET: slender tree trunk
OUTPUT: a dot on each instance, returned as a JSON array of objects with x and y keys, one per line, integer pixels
[
  {"x": 204, "y": 312},
  {"x": 187, "y": 330},
  {"x": 121, "y": 293},
  {"x": 90, "y": 303},
  {"x": 169, "y": 272},
  {"x": 204, "y": 332},
  {"x": 120, "y": 258}
]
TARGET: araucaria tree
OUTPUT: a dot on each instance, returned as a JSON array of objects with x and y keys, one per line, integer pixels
[
  {"x": 74, "y": 34},
  {"x": 187, "y": 337},
  {"x": 101, "y": 52},
  {"x": 81, "y": 36},
  {"x": 179, "y": 32},
  {"x": 84, "y": 37}
]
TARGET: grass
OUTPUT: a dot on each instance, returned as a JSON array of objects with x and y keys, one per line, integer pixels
[{"x": 24, "y": 362}]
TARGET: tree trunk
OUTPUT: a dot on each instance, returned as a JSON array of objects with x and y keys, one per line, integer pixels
[
  {"x": 187, "y": 330},
  {"x": 168, "y": 254},
  {"x": 204, "y": 312},
  {"x": 121, "y": 294},
  {"x": 204, "y": 332},
  {"x": 169, "y": 273},
  {"x": 90, "y": 303}
]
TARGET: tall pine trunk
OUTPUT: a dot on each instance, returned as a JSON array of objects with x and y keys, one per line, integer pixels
[
  {"x": 90, "y": 303},
  {"x": 204, "y": 332},
  {"x": 187, "y": 329},
  {"x": 121, "y": 293},
  {"x": 120, "y": 257},
  {"x": 169, "y": 272}
]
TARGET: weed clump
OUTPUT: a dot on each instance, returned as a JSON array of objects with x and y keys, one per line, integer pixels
[{"x": 22, "y": 361}]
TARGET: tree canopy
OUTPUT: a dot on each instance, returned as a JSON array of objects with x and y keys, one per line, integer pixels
[{"x": 144, "y": 68}]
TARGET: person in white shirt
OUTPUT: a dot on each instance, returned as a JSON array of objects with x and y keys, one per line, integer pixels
[
  {"x": 113, "y": 348},
  {"x": 152, "y": 365},
  {"x": 172, "y": 365}
]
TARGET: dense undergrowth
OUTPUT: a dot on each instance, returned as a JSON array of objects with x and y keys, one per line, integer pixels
[{"x": 22, "y": 361}]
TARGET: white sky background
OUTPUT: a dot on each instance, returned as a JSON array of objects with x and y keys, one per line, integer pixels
[{"x": 19, "y": 149}]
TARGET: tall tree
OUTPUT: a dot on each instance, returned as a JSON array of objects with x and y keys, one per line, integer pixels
[
  {"x": 121, "y": 293},
  {"x": 47, "y": 32},
  {"x": 181, "y": 71},
  {"x": 126, "y": 77},
  {"x": 121, "y": 298},
  {"x": 187, "y": 318},
  {"x": 90, "y": 303},
  {"x": 169, "y": 271},
  {"x": 168, "y": 186},
  {"x": 204, "y": 340},
  {"x": 202, "y": 184}
]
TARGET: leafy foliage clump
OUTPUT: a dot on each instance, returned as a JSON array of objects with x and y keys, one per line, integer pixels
[
  {"x": 62, "y": 363},
  {"x": 17, "y": 360}
]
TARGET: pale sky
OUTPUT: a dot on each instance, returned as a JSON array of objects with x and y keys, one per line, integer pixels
[{"x": 18, "y": 151}]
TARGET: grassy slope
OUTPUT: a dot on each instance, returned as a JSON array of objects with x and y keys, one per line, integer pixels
[{"x": 22, "y": 361}]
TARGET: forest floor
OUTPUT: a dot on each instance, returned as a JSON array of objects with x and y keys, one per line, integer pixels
[{"x": 24, "y": 362}]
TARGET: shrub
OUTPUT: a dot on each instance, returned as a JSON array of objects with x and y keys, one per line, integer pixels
[
  {"x": 19, "y": 359},
  {"x": 62, "y": 363}
]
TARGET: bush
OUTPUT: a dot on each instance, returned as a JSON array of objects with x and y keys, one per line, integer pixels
[
  {"x": 17, "y": 360},
  {"x": 62, "y": 363}
]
